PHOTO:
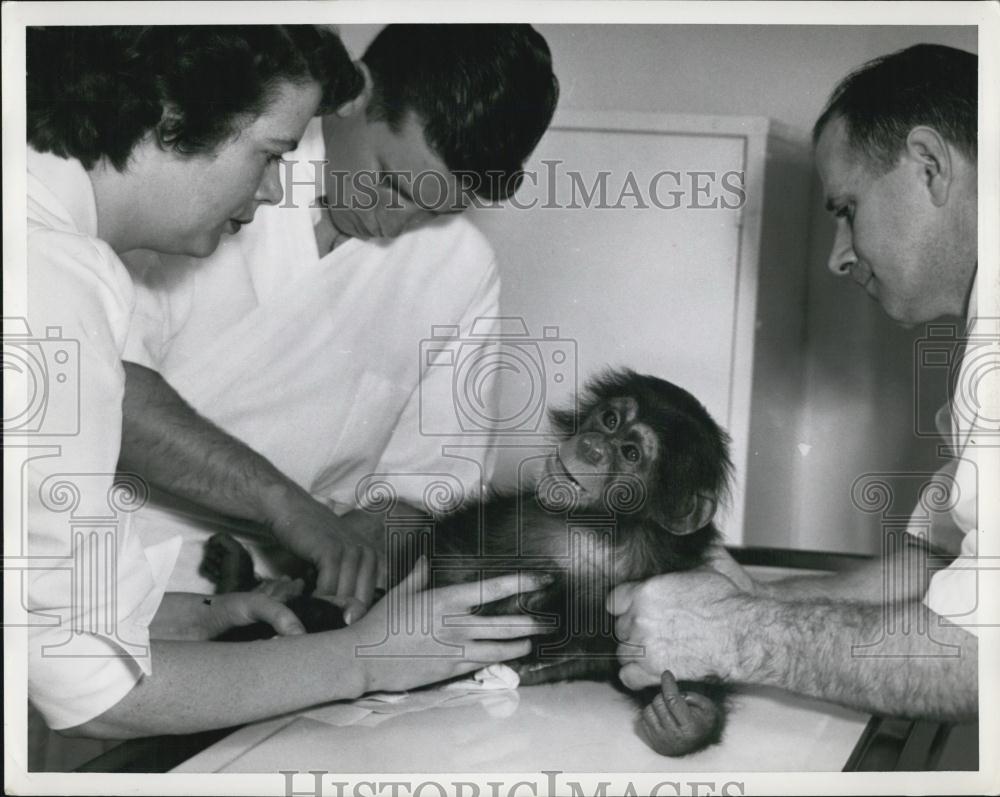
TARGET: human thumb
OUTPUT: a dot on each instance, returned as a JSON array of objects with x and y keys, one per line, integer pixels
[
  {"x": 620, "y": 598},
  {"x": 278, "y": 616}
]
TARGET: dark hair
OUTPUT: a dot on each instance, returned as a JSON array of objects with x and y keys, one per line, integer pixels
[
  {"x": 94, "y": 92},
  {"x": 484, "y": 94},
  {"x": 883, "y": 100}
]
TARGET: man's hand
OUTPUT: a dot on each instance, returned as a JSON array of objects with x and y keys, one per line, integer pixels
[
  {"x": 720, "y": 560},
  {"x": 687, "y": 623},
  {"x": 348, "y": 558},
  {"x": 166, "y": 442}
]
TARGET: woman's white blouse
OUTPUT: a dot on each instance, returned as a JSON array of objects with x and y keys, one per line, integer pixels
[{"x": 96, "y": 588}]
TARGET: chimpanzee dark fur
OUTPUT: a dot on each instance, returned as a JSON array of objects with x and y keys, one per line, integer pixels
[{"x": 651, "y": 515}]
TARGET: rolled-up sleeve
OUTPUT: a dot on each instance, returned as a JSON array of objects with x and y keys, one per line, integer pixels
[{"x": 957, "y": 592}]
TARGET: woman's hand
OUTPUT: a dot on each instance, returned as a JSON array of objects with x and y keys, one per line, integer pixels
[
  {"x": 187, "y": 616},
  {"x": 415, "y": 636},
  {"x": 244, "y": 608}
]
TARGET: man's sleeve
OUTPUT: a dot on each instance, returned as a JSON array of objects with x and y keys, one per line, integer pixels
[{"x": 957, "y": 592}]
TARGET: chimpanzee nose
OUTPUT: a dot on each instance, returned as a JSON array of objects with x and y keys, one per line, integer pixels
[{"x": 593, "y": 449}]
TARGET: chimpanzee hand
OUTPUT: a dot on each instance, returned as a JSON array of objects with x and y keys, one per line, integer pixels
[{"x": 677, "y": 723}]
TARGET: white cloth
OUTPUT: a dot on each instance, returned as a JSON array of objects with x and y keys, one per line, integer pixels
[
  {"x": 493, "y": 687},
  {"x": 323, "y": 365},
  {"x": 954, "y": 591},
  {"x": 95, "y": 578}
]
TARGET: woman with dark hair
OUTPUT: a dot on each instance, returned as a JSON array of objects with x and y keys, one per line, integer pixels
[{"x": 166, "y": 138}]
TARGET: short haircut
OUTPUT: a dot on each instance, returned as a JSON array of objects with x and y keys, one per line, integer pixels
[
  {"x": 883, "y": 100},
  {"x": 94, "y": 92},
  {"x": 484, "y": 94}
]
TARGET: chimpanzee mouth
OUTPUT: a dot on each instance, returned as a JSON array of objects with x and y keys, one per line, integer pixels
[{"x": 566, "y": 474}]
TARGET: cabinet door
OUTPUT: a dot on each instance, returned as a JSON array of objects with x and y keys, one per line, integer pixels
[{"x": 623, "y": 250}]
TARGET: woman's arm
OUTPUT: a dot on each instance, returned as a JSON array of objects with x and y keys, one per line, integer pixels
[
  {"x": 196, "y": 686},
  {"x": 410, "y": 638},
  {"x": 191, "y": 617}
]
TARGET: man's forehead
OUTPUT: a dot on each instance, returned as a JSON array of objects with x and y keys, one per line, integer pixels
[{"x": 836, "y": 162}]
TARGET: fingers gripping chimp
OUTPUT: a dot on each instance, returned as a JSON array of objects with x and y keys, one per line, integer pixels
[
  {"x": 228, "y": 565},
  {"x": 628, "y": 492}
]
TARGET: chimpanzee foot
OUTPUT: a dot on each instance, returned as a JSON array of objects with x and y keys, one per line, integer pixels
[
  {"x": 677, "y": 723},
  {"x": 228, "y": 565}
]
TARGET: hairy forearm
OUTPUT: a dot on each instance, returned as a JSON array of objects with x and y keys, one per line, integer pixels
[
  {"x": 236, "y": 683},
  {"x": 898, "y": 661},
  {"x": 901, "y": 576},
  {"x": 166, "y": 442}
]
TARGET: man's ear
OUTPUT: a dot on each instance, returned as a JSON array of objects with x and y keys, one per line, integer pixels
[
  {"x": 168, "y": 129},
  {"x": 930, "y": 152},
  {"x": 360, "y": 103}
]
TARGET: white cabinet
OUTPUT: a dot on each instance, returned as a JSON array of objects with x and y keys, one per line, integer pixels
[{"x": 674, "y": 245}]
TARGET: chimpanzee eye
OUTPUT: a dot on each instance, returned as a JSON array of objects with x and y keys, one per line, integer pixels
[
  {"x": 610, "y": 419},
  {"x": 631, "y": 452}
]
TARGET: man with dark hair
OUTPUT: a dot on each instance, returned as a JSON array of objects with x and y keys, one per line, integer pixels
[
  {"x": 301, "y": 337},
  {"x": 927, "y": 84},
  {"x": 448, "y": 117},
  {"x": 479, "y": 97},
  {"x": 896, "y": 151}
]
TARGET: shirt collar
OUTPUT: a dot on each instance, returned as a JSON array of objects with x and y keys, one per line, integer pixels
[
  {"x": 970, "y": 312},
  {"x": 68, "y": 183}
]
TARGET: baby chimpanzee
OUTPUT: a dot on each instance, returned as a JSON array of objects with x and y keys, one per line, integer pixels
[{"x": 629, "y": 493}]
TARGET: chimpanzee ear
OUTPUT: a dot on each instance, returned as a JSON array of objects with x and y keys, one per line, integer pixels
[{"x": 702, "y": 511}]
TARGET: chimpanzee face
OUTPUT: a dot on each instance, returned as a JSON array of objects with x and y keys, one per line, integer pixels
[{"x": 612, "y": 444}]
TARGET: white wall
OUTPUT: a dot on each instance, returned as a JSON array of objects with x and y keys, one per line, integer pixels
[{"x": 859, "y": 381}]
